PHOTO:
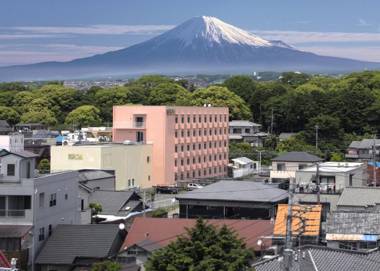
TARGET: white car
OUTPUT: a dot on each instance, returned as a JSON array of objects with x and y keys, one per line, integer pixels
[{"x": 193, "y": 186}]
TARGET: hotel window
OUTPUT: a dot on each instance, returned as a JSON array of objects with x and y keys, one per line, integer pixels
[
  {"x": 204, "y": 158},
  {"x": 204, "y": 145},
  {"x": 188, "y": 119},
  {"x": 193, "y": 147},
  {"x": 176, "y": 176},
  {"x": 41, "y": 234},
  {"x": 205, "y": 172},
  {"x": 225, "y": 156},
  {"x": 181, "y": 147},
  {"x": 199, "y": 159},
  {"x": 200, "y": 132},
  {"x": 188, "y": 147},
  {"x": 188, "y": 133},
  {"x": 210, "y": 144},
  {"x": 215, "y": 157},
  {"x": 182, "y": 119},
  {"x": 188, "y": 161},
  {"x": 210, "y": 132},
  {"x": 176, "y": 134},
  {"x": 210, "y": 158},
  {"x": 193, "y": 160},
  {"x": 214, "y": 169},
  {"x": 199, "y": 173},
  {"x": 220, "y": 144},
  {"x": 205, "y": 119},
  {"x": 194, "y": 118},
  {"x": 181, "y": 162},
  {"x": 182, "y": 133},
  {"x": 199, "y": 119},
  {"x": 53, "y": 200},
  {"x": 181, "y": 176},
  {"x": 193, "y": 174},
  {"x": 176, "y": 119},
  {"x": 194, "y": 133},
  {"x": 220, "y": 117},
  {"x": 220, "y": 157},
  {"x": 204, "y": 132},
  {"x": 210, "y": 118},
  {"x": 187, "y": 175},
  {"x": 225, "y": 117},
  {"x": 209, "y": 171},
  {"x": 199, "y": 146},
  {"x": 175, "y": 162}
]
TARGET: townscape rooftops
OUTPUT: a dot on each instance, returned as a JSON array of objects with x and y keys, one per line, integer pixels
[
  {"x": 153, "y": 233},
  {"x": 297, "y": 157},
  {"x": 23, "y": 154},
  {"x": 314, "y": 258},
  {"x": 14, "y": 231},
  {"x": 334, "y": 167},
  {"x": 112, "y": 202},
  {"x": 243, "y": 123},
  {"x": 353, "y": 223},
  {"x": 242, "y": 160},
  {"x": 360, "y": 197},
  {"x": 69, "y": 242},
  {"x": 236, "y": 191},
  {"x": 306, "y": 220}
]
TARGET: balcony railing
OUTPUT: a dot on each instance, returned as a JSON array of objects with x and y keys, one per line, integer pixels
[
  {"x": 12, "y": 213},
  {"x": 312, "y": 188},
  {"x": 139, "y": 124}
]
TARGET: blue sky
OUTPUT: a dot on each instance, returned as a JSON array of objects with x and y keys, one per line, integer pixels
[{"x": 44, "y": 30}]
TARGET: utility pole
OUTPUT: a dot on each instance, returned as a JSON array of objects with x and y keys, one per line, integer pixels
[
  {"x": 288, "y": 251},
  {"x": 374, "y": 161},
  {"x": 316, "y": 137},
  {"x": 318, "y": 184}
]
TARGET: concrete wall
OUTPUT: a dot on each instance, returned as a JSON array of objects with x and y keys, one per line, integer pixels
[{"x": 129, "y": 162}]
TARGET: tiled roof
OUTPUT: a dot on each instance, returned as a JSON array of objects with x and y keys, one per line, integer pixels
[
  {"x": 360, "y": 197},
  {"x": 236, "y": 191},
  {"x": 353, "y": 223},
  {"x": 318, "y": 258},
  {"x": 294, "y": 156},
  {"x": 69, "y": 242},
  {"x": 112, "y": 202},
  {"x": 364, "y": 144},
  {"x": 14, "y": 231},
  {"x": 306, "y": 220},
  {"x": 153, "y": 233},
  {"x": 242, "y": 160},
  {"x": 23, "y": 154}
]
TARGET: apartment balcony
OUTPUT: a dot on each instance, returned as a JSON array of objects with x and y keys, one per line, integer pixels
[{"x": 12, "y": 216}]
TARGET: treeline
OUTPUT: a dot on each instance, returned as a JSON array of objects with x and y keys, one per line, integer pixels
[{"x": 344, "y": 108}]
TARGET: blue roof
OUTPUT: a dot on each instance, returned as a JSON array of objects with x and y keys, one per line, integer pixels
[{"x": 377, "y": 164}]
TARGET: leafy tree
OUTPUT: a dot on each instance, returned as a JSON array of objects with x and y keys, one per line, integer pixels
[
  {"x": 297, "y": 143},
  {"x": 17, "y": 86},
  {"x": 95, "y": 207},
  {"x": 85, "y": 115},
  {"x": 169, "y": 94},
  {"x": 242, "y": 85},
  {"x": 9, "y": 114},
  {"x": 106, "y": 98},
  {"x": 44, "y": 166},
  {"x": 44, "y": 116},
  {"x": 106, "y": 266},
  {"x": 239, "y": 149},
  {"x": 294, "y": 78},
  {"x": 204, "y": 247},
  {"x": 7, "y": 97},
  {"x": 336, "y": 157},
  {"x": 221, "y": 96}
]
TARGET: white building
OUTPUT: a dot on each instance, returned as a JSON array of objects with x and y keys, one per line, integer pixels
[
  {"x": 12, "y": 142},
  {"x": 243, "y": 166},
  {"x": 31, "y": 206}
]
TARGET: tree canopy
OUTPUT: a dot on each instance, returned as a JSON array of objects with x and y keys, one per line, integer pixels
[
  {"x": 85, "y": 115},
  {"x": 203, "y": 247}
]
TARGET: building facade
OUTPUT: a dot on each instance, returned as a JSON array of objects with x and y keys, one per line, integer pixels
[
  {"x": 188, "y": 142},
  {"x": 246, "y": 131},
  {"x": 35, "y": 202},
  {"x": 131, "y": 162}
]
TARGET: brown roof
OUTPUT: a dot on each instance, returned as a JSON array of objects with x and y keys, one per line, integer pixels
[
  {"x": 306, "y": 220},
  {"x": 154, "y": 233},
  {"x": 14, "y": 231}
]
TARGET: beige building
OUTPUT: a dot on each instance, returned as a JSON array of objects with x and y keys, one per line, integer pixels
[{"x": 130, "y": 162}]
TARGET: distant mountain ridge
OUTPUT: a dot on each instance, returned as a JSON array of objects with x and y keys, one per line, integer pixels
[{"x": 199, "y": 45}]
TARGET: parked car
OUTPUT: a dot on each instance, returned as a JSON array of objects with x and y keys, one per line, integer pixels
[{"x": 193, "y": 186}]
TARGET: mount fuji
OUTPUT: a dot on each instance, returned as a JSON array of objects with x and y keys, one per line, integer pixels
[{"x": 199, "y": 45}]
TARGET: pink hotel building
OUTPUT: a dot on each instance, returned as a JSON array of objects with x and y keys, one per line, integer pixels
[{"x": 188, "y": 142}]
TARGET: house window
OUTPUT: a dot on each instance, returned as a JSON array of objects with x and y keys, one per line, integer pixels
[
  {"x": 350, "y": 180},
  {"x": 53, "y": 199},
  {"x": 302, "y": 166},
  {"x": 280, "y": 166},
  {"x": 11, "y": 168},
  {"x": 41, "y": 199},
  {"x": 139, "y": 121},
  {"x": 139, "y": 136},
  {"x": 148, "y": 177},
  {"x": 28, "y": 170},
  {"x": 247, "y": 130},
  {"x": 41, "y": 234},
  {"x": 50, "y": 229},
  {"x": 82, "y": 204}
]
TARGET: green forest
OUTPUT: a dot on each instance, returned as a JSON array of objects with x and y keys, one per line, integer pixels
[{"x": 344, "y": 108}]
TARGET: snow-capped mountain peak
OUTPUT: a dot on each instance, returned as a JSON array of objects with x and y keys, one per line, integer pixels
[{"x": 213, "y": 30}]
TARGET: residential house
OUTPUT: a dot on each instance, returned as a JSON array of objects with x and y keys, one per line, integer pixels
[
  {"x": 78, "y": 247},
  {"x": 285, "y": 165},
  {"x": 243, "y": 166},
  {"x": 246, "y": 131},
  {"x": 353, "y": 230},
  {"x": 363, "y": 150},
  {"x": 314, "y": 258},
  {"x": 31, "y": 206},
  {"x": 192, "y": 142},
  {"x": 5, "y": 128},
  {"x": 306, "y": 223},
  {"x": 131, "y": 163},
  {"x": 359, "y": 199},
  {"x": 232, "y": 199},
  {"x": 146, "y": 235},
  {"x": 333, "y": 178}
]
